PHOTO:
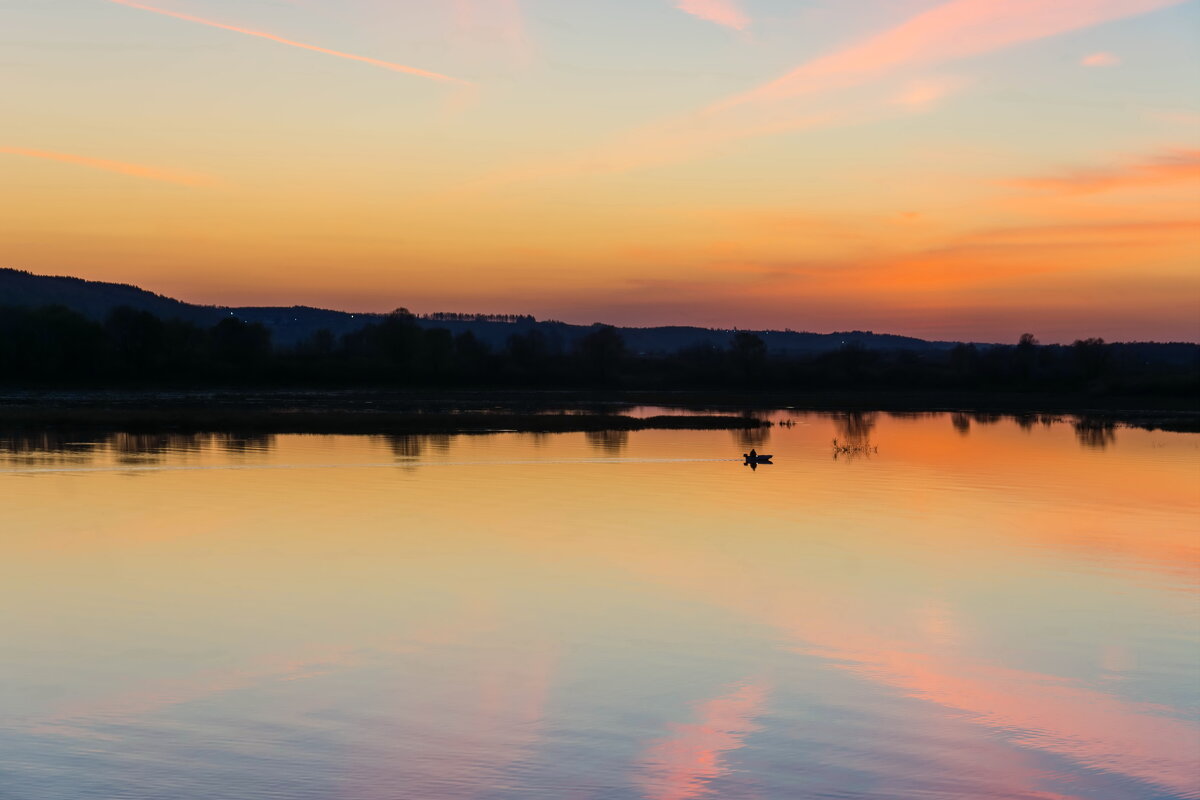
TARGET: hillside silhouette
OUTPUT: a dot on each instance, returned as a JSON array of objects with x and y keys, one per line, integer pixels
[
  {"x": 290, "y": 326},
  {"x": 64, "y": 332}
]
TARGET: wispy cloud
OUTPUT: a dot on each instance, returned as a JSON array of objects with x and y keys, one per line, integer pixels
[
  {"x": 494, "y": 27},
  {"x": 926, "y": 93},
  {"x": 375, "y": 62},
  {"x": 953, "y": 30},
  {"x": 669, "y": 143},
  {"x": 1190, "y": 119},
  {"x": 1171, "y": 167},
  {"x": 1100, "y": 60},
  {"x": 722, "y": 12},
  {"x": 121, "y": 167}
]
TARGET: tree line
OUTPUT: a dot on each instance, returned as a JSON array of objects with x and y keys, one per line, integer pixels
[{"x": 54, "y": 346}]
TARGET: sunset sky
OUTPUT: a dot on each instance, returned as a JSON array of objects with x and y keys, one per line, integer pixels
[{"x": 941, "y": 168}]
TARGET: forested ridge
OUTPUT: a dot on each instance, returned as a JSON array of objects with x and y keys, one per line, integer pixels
[{"x": 53, "y": 346}]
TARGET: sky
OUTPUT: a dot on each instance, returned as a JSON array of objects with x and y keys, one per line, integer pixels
[{"x": 950, "y": 169}]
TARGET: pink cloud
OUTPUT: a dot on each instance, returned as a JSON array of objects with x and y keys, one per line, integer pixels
[
  {"x": 722, "y": 12},
  {"x": 925, "y": 93},
  {"x": 1100, "y": 60},
  {"x": 953, "y": 30},
  {"x": 492, "y": 24}
]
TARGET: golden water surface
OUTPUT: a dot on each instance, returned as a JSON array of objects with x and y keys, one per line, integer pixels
[{"x": 957, "y": 607}]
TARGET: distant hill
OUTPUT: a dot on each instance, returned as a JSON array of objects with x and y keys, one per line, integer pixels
[
  {"x": 289, "y": 326},
  {"x": 96, "y": 300},
  {"x": 91, "y": 298}
]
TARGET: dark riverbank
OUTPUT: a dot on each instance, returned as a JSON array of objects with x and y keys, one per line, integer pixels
[
  {"x": 265, "y": 420},
  {"x": 390, "y": 411}
]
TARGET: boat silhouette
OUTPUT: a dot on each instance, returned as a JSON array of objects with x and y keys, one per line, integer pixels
[{"x": 754, "y": 459}]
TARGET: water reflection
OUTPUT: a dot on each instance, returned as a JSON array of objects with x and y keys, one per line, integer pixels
[
  {"x": 406, "y": 447},
  {"x": 855, "y": 427},
  {"x": 67, "y": 447},
  {"x": 528, "y": 620},
  {"x": 142, "y": 448},
  {"x": 961, "y": 422},
  {"x": 684, "y": 763},
  {"x": 44, "y": 447},
  {"x": 609, "y": 443},
  {"x": 537, "y": 438},
  {"x": 854, "y": 433},
  {"x": 852, "y": 430},
  {"x": 1095, "y": 434},
  {"x": 751, "y": 438}
]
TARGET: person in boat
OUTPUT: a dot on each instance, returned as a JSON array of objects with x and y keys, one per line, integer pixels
[{"x": 753, "y": 454}]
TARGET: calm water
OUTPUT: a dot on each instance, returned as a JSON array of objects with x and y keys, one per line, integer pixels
[{"x": 979, "y": 609}]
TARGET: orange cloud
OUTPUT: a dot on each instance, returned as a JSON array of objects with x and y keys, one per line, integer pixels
[
  {"x": 375, "y": 62},
  {"x": 1100, "y": 60},
  {"x": 953, "y": 30},
  {"x": 133, "y": 170},
  {"x": 1171, "y": 167},
  {"x": 1100, "y": 234},
  {"x": 681, "y": 766},
  {"x": 722, "y": 12}
]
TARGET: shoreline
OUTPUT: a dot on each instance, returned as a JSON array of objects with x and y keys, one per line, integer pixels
[{"x": 542, "y": 411}]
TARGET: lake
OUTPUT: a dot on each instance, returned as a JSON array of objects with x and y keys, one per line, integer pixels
[{"x": 953, "y": 606}]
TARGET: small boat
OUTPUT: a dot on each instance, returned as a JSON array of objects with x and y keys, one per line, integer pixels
[{"x": 757, "y": 458}]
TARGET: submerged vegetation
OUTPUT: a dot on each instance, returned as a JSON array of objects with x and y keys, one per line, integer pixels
[
  {"x": 863, "y": 448},
  {"x": 53, "y": 347}
]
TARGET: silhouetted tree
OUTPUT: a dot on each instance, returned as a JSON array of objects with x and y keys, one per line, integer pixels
[
  {"x": 1026, "y": 356},
  {"x": 849, "y": 364},
  {"x": 602, "y": 350},
  {"x": 238, "y": 343},
  {"x": 398, "y": 337},
  {"x": 1092, "y": 357},
  {"x": 50, "y": 342},
  {"x": 471, "y": 357},
  {"x": 56, "y": 346},
  {"x": 964, "y": 362},
  {"x": 323, "y": 342},
  {"x": 749, "y": 354},
  {"x": 139, "y": 340},
  {"x": 529, "y": 353},
  {"x": 438, "y": 353}
]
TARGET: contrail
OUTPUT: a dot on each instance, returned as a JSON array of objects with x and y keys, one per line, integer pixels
[
  {"x": 372, "y": 465},
  {"x": 135, "y": 170},
  {"x": 375, "y": 62}
]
